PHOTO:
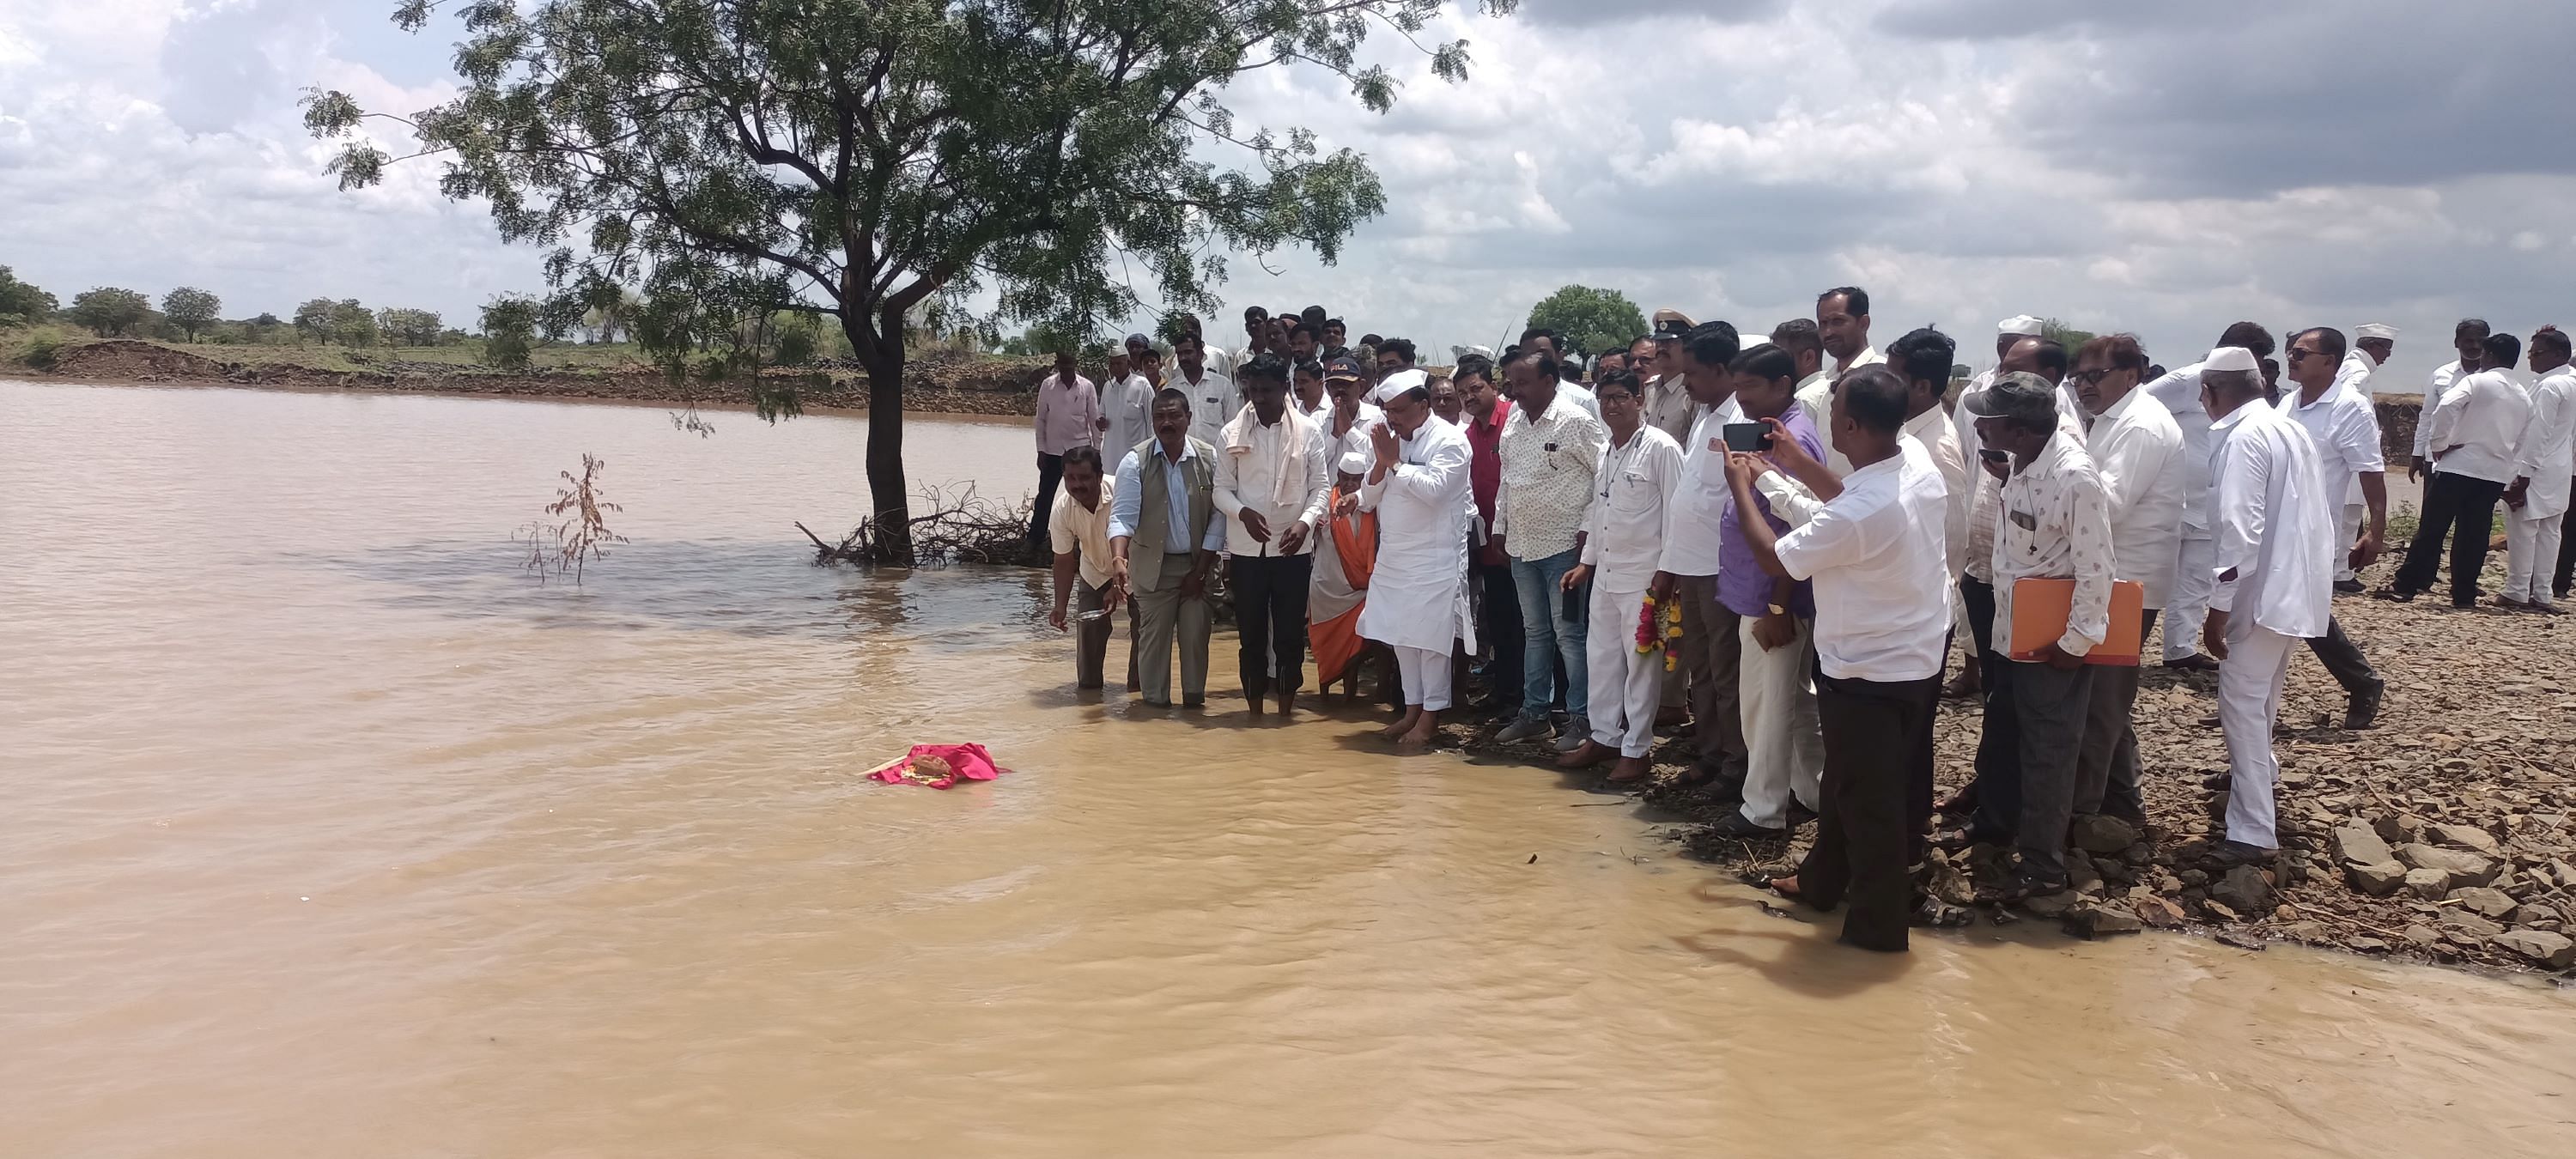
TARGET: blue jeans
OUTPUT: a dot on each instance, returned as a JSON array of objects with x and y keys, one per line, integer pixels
[{"x": 1549, "y": 635}]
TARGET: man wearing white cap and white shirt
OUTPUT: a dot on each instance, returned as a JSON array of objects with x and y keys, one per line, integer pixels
[
  {"x": 2372, "y": 343},
  {"x": 2273, "y": 524},
  {"x": 1417, "y": 603},
  {"x": 2345, "y": 432},
  {"x": 2537, "y": 500},
  {"x": 2179, "y": 390}
]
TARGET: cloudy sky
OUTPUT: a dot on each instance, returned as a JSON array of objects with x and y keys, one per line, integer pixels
[{"x": 2163, "y": 168}]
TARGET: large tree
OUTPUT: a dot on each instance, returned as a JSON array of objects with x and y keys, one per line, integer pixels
[
  {"x": 109, "y": 311},
  {"x": 20, "y": 302},
  {"x": 191, "y": 309},
  {"x": 859, "y": 158},
  {"x": 1591, "y": 320}
]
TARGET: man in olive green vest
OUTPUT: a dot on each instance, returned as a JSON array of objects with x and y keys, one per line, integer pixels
[{"x": 1164, "y": 535}]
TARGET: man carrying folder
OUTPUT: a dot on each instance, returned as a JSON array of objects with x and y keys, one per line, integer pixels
[{"x": 2056, "y": 524}]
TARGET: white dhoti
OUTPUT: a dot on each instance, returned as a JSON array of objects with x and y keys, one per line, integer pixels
[
  {"x": 2348, "y": 531},
  {"x": 1425, "y": 674},
  {"x": 1784, "y": 746},
  {"x": 2249, "y": 699},
  {"x": 1626, "y": 686},
  {"x": 2195, "y": 580},
  {"x": 2531, "y": 553}
]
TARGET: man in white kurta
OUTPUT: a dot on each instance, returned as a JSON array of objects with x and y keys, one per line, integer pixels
[
  {"x": 1623, "y": 540},
  {"x": 1417, "y": 606},
  {"x": 1272, "y": 475},
  {"x": 2371, "y": 346},
  {"x": 2345, "y": 430},
  {"x": 2180, "y": 392},
  {"x": 2273, "y": 564},
  {"x": 2537, "y": 501},
  {"x": 2137, "y": 447},
  {"x": 2471, "y": 442}
]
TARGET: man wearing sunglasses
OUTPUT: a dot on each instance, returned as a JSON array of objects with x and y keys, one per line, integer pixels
[{"x": 2345, "y": 429}]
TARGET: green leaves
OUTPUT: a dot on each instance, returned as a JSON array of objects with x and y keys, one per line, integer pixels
[
  {"x": 1592, "y": 320},
  {"x": 108, "y": 310},
  {"x": 191, "y": 309}
]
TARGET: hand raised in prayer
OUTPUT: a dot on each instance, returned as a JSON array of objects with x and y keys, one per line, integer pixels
[
  {"x": 1575, "y": 577},
  {"x": 1293, "y": 540},
  {"x": 1774, "y": 632},
  {"x": 1255, "y": 526},
  {"x": 2213, "y": 634},
  {"x": 1382, "y": 437}
]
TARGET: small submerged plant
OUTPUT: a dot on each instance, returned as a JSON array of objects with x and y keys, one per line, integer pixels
[{"x": 580, "y": 533}]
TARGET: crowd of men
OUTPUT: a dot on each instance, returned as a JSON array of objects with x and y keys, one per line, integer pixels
[{"x": 1773, "y": 546}]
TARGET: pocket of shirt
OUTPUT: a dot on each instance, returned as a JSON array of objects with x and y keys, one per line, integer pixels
[{"x": 1631, "y": 494}]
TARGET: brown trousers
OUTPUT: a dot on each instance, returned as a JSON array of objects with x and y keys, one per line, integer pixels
[{"x": 1710, "y": 653}]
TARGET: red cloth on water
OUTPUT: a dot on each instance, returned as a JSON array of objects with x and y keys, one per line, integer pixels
[{"x": 966, "y": 762}]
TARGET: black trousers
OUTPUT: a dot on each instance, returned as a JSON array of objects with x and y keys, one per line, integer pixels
[
  {"x": 2034, "y": 729},
  {"x": 2464, "y": 508},
  {"x": 1050, "y": 473},
  {"x": 2343, "y": 658},
  {"x": 1270, "y": 617},
  {"x": 2566, "y": 552},
  {"x": 1498, "y": 624},
  {"x": 1877, "y": 735},
  {"x": 1978, "y": 597}
]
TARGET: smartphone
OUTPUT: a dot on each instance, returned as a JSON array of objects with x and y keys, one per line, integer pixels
[
  {"x": 1573, "y": 604},
  {"x": 1746, "y": 436},
  {"x": 1992, "y": 455}
]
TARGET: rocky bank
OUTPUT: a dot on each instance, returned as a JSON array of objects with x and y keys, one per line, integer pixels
[{"x": 2445, "y": 834}]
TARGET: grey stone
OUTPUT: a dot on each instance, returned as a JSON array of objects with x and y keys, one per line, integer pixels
[
  {"x": 2081, "y": 876},
  {"x": 2472, "y": 924},
  {"x": 2309, "y": 932},
  {"x": 2398, "y": 828},
  {"x": 2244, "y": 890},
  {"x": 2218, "y": 911},
  {"x": 2468, "y": 837},
  {"x": 2464, "y": 868},
  {"x": 2094, "y": 833},
  {"x": 2422, "y": 936},
  {"x": 2482, "y": 901},
  {"x": 2380, "y": 879},
  {"x": 2555, "y": 951},
  {"x": 2102, "y": 921},
  {"x": 2535, "y": 910},
  {"x": 2357, "y": 844},
  {"x": 2428, "y": 884},
  {"x": 2049, "y": 905},
  {"x": 2366, "y": 945}
]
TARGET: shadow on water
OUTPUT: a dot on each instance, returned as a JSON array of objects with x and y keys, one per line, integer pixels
[
  {"x": 744, "y": 588},
  {"x": 1810, "y": 960}
]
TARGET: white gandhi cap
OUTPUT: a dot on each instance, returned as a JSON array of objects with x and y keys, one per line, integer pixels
[
  {"x": 2231, "y": 358},
  {"x": 2022, "y": 324},
  {"x": 2376, "y": 330}
]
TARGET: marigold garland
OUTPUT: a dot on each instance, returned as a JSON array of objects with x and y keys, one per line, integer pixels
[{"x": 1648, "y": 639}]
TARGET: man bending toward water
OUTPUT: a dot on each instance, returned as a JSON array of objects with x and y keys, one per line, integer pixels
[{"x": 1079, "y": 532}]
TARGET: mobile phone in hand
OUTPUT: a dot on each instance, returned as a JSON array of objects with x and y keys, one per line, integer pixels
[{"x": 1746, "y": 436}]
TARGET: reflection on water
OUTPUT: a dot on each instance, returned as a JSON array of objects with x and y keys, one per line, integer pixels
[{"x": 328, "y": 831}]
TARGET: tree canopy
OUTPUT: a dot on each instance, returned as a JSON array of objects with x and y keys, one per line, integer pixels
[
  {"x": 1591, "y": 320},
  {"x": 109, "y": 311},
  {"x": 191, "y": 309},
  {"x": 20, "y": 302},
  {"x": 737, "y": 157}
]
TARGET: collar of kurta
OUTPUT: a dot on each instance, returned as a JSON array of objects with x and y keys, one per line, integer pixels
[
  {"x": 2052, "y": 458},
  {"x": 2127, "y": 403},
  {"x": 2231, "y": 418}
]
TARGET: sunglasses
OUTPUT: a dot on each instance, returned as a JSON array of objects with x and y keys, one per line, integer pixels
[
  {"x": 2297, "y": 353},
  {"x": 2094, "y": 377}
]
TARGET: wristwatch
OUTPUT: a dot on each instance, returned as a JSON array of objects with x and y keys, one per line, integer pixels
[{"x": 1777, "y": 610}]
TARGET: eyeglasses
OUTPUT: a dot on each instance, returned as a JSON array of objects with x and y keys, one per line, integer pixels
[
  {"x": 2094, "y": 377},
  {"x": 2297, "y": 353}
]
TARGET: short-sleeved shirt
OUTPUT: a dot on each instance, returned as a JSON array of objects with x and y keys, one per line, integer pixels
[
  {"x": 1742, "y": 585},
  {"x": 1879, "y": 560},
  {"x": 1073, "y": 529}
]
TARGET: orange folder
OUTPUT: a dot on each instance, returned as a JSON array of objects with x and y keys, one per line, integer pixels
[{"x": 2039, "y": 610}]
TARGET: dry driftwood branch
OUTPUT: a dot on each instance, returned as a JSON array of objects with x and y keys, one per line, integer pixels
[{"x": 960, "y": 526}]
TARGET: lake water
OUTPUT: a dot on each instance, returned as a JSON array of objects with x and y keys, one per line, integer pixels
[{"x": 326, "y": 830}]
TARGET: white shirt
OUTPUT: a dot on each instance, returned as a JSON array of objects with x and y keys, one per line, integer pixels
[
  {"x": 1548, "y": 462},
  {"x": 2443, "y": 377},
  {"x": 1985, "y": 495},
  {"x": 1868, "y": 356},
  {"x": 1581, "y": 396},
  {"x": 2354, "y": 376},
  {"x": 2056, "y": 523},
  {"x": 1624, "y": 527},
  {"x": 2179, "y": 390},
  {"x": 2479, "y": 426},
  {"x": 2275, "y": 526},
  {"x": 1129, "y": 407},
  {"x": 2137, "y": 448},
  {"x": 1214, "y": 399},
  {"x": 1073, "y": 530},
  {"x": 1691, "y": 518},
  {"x": 1932, "y": 429},
  {"x": 1418, "y": 595},
  {"x": 2548, "y": 453},
  {"x": 1881, "y": 570},
  {"x": 2344, "y": 426},
  {"x": 1248, "y": 477},
  {"x": 1816, "y": 397},
  {"x": 1128, "y": 503}
]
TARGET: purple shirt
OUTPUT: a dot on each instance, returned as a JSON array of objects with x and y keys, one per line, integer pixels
[{"x": 1742, "y": 585}]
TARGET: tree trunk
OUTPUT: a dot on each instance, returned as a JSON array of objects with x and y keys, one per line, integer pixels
[{"x": 888, "y": 492}]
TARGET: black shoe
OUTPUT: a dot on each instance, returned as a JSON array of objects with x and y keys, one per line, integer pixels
[
  {"x": 2363, "y": 709},
  {"x": 1735, "y": 825},
  {"x": 1799, "y": 814},
  {"x": 2232, "y": 853},
  {"x": 2023, "y": 885},
  {"x": 2393, "y": 596},
  {"x": 2350, "y": 587}
]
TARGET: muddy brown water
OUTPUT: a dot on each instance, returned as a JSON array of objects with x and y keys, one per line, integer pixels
[{"x": 326, "y": 831}]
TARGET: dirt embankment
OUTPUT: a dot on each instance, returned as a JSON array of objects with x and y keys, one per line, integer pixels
[{"x": 938, "y": 383}]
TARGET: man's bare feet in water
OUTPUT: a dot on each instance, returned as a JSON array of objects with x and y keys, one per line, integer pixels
[
  {"x": 1426, "y": 725},
  {"x": 1254, "y": 702},
  {"x": 1287, "y": 704},
  {"x": 1630, "y": 770},
  {"x": 1403, "y": 724}
]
